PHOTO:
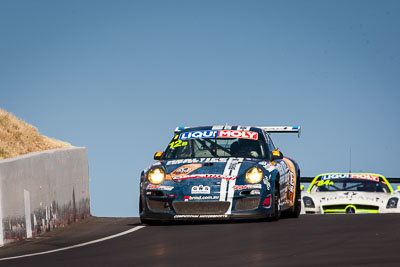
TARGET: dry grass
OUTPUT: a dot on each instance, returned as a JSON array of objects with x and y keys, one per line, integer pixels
[{"x": 18, "y": 137}]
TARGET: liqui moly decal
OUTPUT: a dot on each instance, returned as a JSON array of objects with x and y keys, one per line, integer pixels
[
  {"x": 198, "y": 134},
  {"x": 207, "y": 176},
  {"x": 238, "y": 134},
  {"x": 219, "y": 134},
  {"x": 350, "y": 175}
]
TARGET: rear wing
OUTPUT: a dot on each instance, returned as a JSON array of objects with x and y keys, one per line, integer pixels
[{"x": 282, "y": 129}]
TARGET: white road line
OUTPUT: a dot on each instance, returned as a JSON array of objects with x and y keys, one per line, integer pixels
[{"x": 78, "y": 245}]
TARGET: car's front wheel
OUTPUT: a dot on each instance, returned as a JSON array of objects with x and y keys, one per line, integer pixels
[
  {"x": 294, "y": 211},
  {"x": 276, "y": 202}
]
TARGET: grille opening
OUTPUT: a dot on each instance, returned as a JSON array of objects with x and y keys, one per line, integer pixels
[
  {"x": 343, "y": 207},
  {"x": 158, "y": 205},
  {"x": 245, "y": 193},
  {"x": 248, "y": 203},
  {"x": 201, "y": 207}
]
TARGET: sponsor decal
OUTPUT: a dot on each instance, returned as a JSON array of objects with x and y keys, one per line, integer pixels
[
  {"x": 227, "y": 192},
  {"x": 219, "y": 134},
  {"x": 292, "y": 181},
  {"x": 267, "y": 202},
  {"x": 205, "y": 176},
  {"x": 194, "y": 160},
  {"x": 188, "y": 198},
  {"x": 247, "y": 186},
  {"x": 238, "y": 134},
  {"x": 200, "y": 189},
  {"x": 198, "y": 134},
  {"x": 266, "y": 181},
  {"x": 201, "y": 216},
  {"x": 184, "y": 170},
  {"x": 349, "y": 175},
  {"x": 269, "y": 166},
  {"x": 159, "y": 187}
]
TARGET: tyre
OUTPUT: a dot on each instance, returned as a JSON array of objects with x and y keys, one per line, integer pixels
[
  {"x": 294, "y": 211},
  {"x": 276, "y": 202}
]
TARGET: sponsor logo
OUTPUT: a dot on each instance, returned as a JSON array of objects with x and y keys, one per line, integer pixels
[
  {"x": 247, "y": 186},
  {"x": 188, "y": 198},
  {"x": 205, "y": 176},
  {"x": 182, "y": 170},
  {"x": 266, "y": 180},
  {"x": 219, "y": 134},
  {"x": 238, "y": 134},
  {"x": 200, "y": 189},
  {"x": 267, "y": 202},
  {"x": 198, "y": 134},
  {"x": 269, "y": 166},
  {"x": 347, "y": 175},
  {"x": 159, "y": 187},
  {"x": 200, "y": 216},
  {"x": 200, "y": 160}
]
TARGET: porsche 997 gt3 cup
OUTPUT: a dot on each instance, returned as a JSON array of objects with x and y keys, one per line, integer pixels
[
  {"x": 220, "y": 172},
  {"x": 341, "y": 193}
]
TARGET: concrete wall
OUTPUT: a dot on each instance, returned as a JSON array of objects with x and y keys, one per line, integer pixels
[{"x": 41, "y": 191}]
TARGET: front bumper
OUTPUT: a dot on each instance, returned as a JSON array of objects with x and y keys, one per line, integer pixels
[{"x": 167, "y": 209}]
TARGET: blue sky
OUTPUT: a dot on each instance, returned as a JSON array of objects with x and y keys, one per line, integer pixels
[{"x": 118, "y": 76}]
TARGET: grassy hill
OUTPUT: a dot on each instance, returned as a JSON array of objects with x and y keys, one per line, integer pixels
[{"x": 18, "y": 137}]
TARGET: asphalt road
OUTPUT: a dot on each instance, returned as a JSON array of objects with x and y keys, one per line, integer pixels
[{"x": 311, "y": 240}]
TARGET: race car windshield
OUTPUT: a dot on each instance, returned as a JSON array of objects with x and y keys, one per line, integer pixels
[
  {"x": 215, "y": 147},
  {"x": 358, "y": 185}
]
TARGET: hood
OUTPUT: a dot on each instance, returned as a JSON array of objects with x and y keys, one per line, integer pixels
[{"x": 218, "y": 168}]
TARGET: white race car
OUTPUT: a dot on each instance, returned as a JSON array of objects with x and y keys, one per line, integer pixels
[{"x": 340, "y": 193}]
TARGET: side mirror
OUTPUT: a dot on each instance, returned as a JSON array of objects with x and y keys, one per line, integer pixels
[
  {"x": 158, "y": 155},
  {"x": 276, "y": 155},
  {"x": 301, "y": 187}
]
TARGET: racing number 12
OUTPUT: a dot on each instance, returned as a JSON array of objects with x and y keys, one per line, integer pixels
[{"x": 177, "y": 143}]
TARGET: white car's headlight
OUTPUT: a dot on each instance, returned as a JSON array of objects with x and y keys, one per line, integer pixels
[
  {"x": 156, "y": 176},
  {"x": 392, "y": 203},
  {"x": 308, "y": 202},
  {"x": 254, "y": 175}
]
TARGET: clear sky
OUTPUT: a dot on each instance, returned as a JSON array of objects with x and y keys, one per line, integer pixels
[{"x": 117, "y": 77}]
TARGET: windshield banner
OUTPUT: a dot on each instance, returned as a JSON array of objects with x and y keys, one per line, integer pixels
[
  {"x": 219, "y": 134},
  {"x": 349, "y": 175}
]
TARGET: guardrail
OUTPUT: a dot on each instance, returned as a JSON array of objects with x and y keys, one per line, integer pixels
[{"x": 41, "y": 191}]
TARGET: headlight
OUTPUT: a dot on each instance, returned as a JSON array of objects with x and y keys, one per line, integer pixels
[
  {"x": 156, "y": 176},
  {"x": 254, "y": 175},
  {"x": 308, "y": 202},
  {"x": 392, "y": 203}
]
